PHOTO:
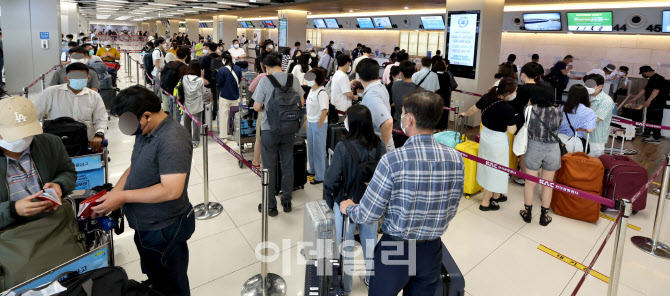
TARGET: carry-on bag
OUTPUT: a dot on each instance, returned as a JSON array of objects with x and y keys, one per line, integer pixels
[
  {"x": 323, "y": 270},
  {"x": 299, "y": 166},
  {"x": 623, "y": 179},
  {"x": 452, "y": 282},
  {"x": 580, "y": 171},
  {"x": 470, "y": 186},
  {"x": 74, "y": 134},
  {"x": 455, "y": 137},
  {"x": 108, "y": 95},
  {"x": 108, "y": 281},
  {"x": 333, "y": 136}
]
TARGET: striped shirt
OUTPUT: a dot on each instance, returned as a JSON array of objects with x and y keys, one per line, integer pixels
[
  {"x": 584, "y": 118},
  {"x": 22, "y": 177},
  {"x": 603, "y": 105},
  {"x": 416, "y": 188}
]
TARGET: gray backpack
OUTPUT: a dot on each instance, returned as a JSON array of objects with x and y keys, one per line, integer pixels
[{"x": 283, "y": 110}]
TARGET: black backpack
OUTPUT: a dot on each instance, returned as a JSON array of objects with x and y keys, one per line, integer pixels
[
  {"x": 148, "y": 61},
  {"x": 170, "y": 76},
  {"x": 365, "y": 170},
  {"x": 283, "y": 110},
  {"x": 74, "y": 134},
  {"x": 112, "y": 281}
]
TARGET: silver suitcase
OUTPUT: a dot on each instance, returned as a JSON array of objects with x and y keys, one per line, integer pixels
[{"x": 319, "y": 236}]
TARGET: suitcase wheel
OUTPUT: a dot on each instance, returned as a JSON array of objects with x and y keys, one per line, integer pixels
[
  {"x": 634, "y": 212},
  {"x": 468, "y": 196},
  {"x": 239, "y": 162}
]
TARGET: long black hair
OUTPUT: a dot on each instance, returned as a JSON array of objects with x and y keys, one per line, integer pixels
[
  {"x": 303, "y": 61},
  {"x": 361, "y": 128},
  {"x": 329, "y": 51},
  {"x": 576, "y": 95},
  {"x": 505, "y": 87}
]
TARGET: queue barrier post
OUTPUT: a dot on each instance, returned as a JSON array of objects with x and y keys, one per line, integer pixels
[
  {"x": 457, "y": 111},
  {"x": 25, "y": 91},
  {"x": 652, "y": 245},
  {"x": 137, "y": 71},
  {"x": 43, "y": 81},
  {"x": 207, "y": 209},
  {"x": 619, "y": 242},
  {"x": 265, "y": 283}
]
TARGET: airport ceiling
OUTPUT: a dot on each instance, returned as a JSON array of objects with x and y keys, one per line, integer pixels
[{"x": 144, "y": 10}]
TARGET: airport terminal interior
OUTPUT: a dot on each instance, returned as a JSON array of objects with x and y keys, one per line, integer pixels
[{"x": 482, "y": 42}]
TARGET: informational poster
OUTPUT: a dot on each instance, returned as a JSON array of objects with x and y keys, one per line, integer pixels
[
  {"x": 463, "y": 39},
  {"x": 590, "y": 21},
  {"x": 283, "y": 31}
]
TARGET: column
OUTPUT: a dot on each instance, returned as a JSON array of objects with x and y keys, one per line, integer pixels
[
  {"x": 229, "y": 32},
  {"x": 215, "y": 29},
  {"x": 192, "y": 29},
  {"x": 69, "y": 16},
  {"x": 83, "y": 25},
  {"x": 161, "y": 28},
  {"x": 23, "y": 23},
  {"x": 174, "y": 27},
  {"x": 488, "y": 49},
  {"x": 152, "y": 28},
  {"x": 296, "y": 30}
]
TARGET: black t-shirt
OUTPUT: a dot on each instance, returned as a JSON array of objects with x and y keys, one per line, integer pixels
[
  {"x": 496, "y": 116},
  {"x": 526, "y": 93},
  {"x": 560, "y": 65},
  {"x": 657, "y": 81},
  {"x": 264, "y": 53}
]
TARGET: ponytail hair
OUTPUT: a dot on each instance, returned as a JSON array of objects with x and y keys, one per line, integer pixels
[{"x": 505, "y": 87}]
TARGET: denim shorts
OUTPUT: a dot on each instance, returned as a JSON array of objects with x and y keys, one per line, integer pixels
[{"x": 543, "y": 155}]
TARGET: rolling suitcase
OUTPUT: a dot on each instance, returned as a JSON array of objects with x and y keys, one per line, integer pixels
[
  {"x": 623, "y": 179},
  {"x": 334, "y": 136},
  {"x": 319, "y": 236},
  {"x": 299, "y": 166},
  {"x": 451, "y": 282},
  {"x": 452, "y": 138},
  {"x": 580, "y": 171},
  {"x": 108, "y": 95},
  {"x": 470, "y": 185}
]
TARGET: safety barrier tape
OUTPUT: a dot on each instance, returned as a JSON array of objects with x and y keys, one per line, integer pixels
[
  {"x": 38, "y": 79},
  {"x": 574, "y": 263},
  {"x": 631, "y": 226}
]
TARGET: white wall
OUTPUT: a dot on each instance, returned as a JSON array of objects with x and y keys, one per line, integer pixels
[{"x": 385, "y": 40}]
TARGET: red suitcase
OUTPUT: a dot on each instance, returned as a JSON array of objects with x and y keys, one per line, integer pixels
[
  {"x": 580, "y": 171},
  {"x": 623, "y": 178}
]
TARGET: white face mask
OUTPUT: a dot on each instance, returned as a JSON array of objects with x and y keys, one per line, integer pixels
[
  {"x": 311, "y": 83},
  {"x": 236, "y": 46},
  {"x": 511, "y": 98},
  {"x": 218, "y": 51},
  {"x": 403, "y": 127},
  {"x": 205, "y": 51},
  {"x": 313, "y": 55},
  {"x": 17, "y": 146},
  {"x": 83, "y": 61},
  {"x": 591, "y": 90},
  {"x": 346, "y": 124},
  {"x": 570, "y": 64},
  {"x": 271, "y": 46}
]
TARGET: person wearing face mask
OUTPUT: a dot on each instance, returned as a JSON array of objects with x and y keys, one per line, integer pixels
[
  {"x": 153, "y": 190},
  {"x": 340, "y": 90},
  {"x": 228, "y": 84},
  {"x": 317, "y": 129},
  {"x": 295, "y": 47},
  {"x": 309, "y": 46},
  {"x": 558, "y": 75},
  {"x": 65, "y": 54},
  {"x": 314, "y": 61},
  {"x": 399, "y": 90},
  {"x": 237, "y": 52},
  {"x": 198, "y": 49},
  {"x": 268, "y": 46},
  {"x": 328, "y": 59},
  {"x": 73, "y": 99},
  {"x": 365, "y": 54},
  {"x": 108, "y": 53},
  {"x": 77, "y": 55},
  {"x": 603, "y": 105},
  {"x": 342, "y": 175},
  {"x": 377, "y": 99},
  {"x": 415, "y": 218},
  {"x": 656, "y": 95},
  {"x": 497, "y": 120},
  {"x": 32, "y": 162}
]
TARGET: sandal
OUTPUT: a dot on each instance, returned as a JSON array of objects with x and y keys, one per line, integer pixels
[
  {"x": 493, "y": 206},
  {"x": 315, "y": 182},
  {"x": 501, "y": 198},
  {"x": 527, "y": 213},
  {"x": 544, "y": 218}
]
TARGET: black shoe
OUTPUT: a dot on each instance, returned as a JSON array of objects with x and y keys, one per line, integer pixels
[
  {"x": 502, "y": 198},
  {"x": 272, "y": 212},
  {"x": 287, "y": 207},
  {"x": 493, "y": 206}
]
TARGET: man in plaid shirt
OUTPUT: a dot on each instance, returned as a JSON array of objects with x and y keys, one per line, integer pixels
[{"x": 416, "y": 188}]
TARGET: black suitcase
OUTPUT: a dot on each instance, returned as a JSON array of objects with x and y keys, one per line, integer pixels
[
  {"x": 299, "y": 166},
  {"x": 451, "y": 279},
  {"x": 74, "y": 134},
  {"x": 318, "y": 282},
  {"x": 108, "y": 95},
  {"x": 334, "y": 136},
  {"x": 634, "y": 113}
]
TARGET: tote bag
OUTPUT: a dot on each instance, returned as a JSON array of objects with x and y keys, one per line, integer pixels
[{"x": 521, "y": 138}]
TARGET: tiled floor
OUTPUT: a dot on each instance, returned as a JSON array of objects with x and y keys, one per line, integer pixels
[{"x": 497, "y": 252}]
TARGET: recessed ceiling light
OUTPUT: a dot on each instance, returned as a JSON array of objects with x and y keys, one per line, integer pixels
[
  {"x": 406, "y": 7},
  {"x": 351, "y": 10},
  {"x": 161, "y": 4}
]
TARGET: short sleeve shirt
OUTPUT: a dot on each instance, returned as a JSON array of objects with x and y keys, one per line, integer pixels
[
  {"x": 496, "y": 116},
  {"x": 265, "y": 91},
  {"x": 317, "y": 101},
  {"x": 376, "y": 98},
  {"x": 656, "y": 82},
  {"x": 338, "y": 88},
  {"x": 167, "y": 150},
  {"x": 544, "y": 123},
  {"x": 584, "y": 118},
  {"x": 603, "y": 105},
  {"x": 157, "y": 55}
]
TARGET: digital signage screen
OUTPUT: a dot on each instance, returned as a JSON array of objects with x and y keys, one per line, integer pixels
[
  {"x": 462, "y": 35},
  {"x": 433, "y": 22},
  {"x": 666, "y": 21},
  {"x": 590, "y": 21},
  {"x": 319, "y": 23},
  {"x": 270, "y": 24},
  {"x": 332, "y": 24},
  {"x": 250, "y": 24},
  {"x": 550, "y": 21},
  {"x": 365, "y": 23},
  {"x": 244, "y": 25},
  {"x": 383, "y": 23}
]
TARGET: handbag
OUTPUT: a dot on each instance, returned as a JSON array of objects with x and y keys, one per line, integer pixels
[
  {"x": 520, "y": 145},
  {"x": 585, "y": 143},
  {"x": 561, "y": 145}
]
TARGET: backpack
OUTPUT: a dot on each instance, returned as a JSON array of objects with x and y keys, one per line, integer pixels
[
  {"x": 178, "y": 92},
  {"x": 74, "y": 134},
  {"x": 110, "y": 281},
  {"x": 365, "y": 170},
  {"x": 170, "y": 76},
  {"x": 283, "y": 110},
  {"x": 148, "y": 62}
]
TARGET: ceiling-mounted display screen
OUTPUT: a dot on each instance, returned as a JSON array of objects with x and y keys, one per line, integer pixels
[
  {"x": 270, "y": 24},
  {"x": 383, "y": 23},
  {"x": 319, "y": 23},
  {"x": 550, "y": 21},
  {"x": 462, "y": 37},
  {"x": 244, "y": 25},
  {"x": 666, "y": 21},
  {"x": 433, "y": 22},
  {"x": 365, "y": 23},
  {"x": 250, "y": 24},
  {"x": 332, "y": 23},
  {"x": 590, "y": 21}
]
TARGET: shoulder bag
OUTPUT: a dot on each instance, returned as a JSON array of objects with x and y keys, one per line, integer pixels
[
  {"x": 585, "y": 143},
  {"x": 520, "y": 145}
]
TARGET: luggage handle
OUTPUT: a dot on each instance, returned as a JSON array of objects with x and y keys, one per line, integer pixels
[{"x": 581, "y": 154}]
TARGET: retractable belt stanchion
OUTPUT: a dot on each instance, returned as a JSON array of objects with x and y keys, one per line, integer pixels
[
  {"x": 457, "y": 110},
  {"x": 25, "y": 91},
  {"x": 207, "y": 209},
  {"x": 651, "y": 245},
  {"x": 619, "y": 242},
  {"x": 265, "y": 283},
  {"x": 137, "y": 71},
  {"x": 43, "y": 82}
]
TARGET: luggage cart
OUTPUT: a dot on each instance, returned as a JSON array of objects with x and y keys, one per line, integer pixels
[
  {"x": 244, "y": 132},
  {"x": 618, "y": 133}
]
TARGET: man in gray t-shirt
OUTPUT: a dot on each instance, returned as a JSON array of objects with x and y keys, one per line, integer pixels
[
  {"x": 153, "y": 190},
  {"x": 273, "y": 145},
  {"x": 376, "y": 98}
]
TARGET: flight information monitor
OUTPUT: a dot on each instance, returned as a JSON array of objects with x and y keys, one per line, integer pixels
[
  {"x": 332, "y": 24},
  {"x": 319, "y": 23},
  {"x": 383, "y": 23},
  {"x": 433, "y": 22},
  {"x": 550, "y": 21},
  {"x": 590, "y": 21},
  {"x": 365, "y": 23},
  {"x": 666, "y": 21}
]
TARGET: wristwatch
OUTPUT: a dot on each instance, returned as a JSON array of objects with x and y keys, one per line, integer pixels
[{"x": 100, "y": 134}]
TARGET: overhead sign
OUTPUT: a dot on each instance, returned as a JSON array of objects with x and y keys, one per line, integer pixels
[{"x": 44, "y": 35}]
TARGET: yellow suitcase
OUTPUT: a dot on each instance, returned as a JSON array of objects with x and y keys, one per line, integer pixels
[{"x": 470, "y": 186}]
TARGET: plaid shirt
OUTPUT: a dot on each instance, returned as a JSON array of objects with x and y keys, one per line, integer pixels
[
  {"x": 23, "y": 179},
  {"x": 416, "y": 188}
]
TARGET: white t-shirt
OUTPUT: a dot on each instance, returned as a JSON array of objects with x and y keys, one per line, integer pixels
[
  {"x": 297, "y": 72},
  {"x": 317, "y": 101},
  {"x": 64, "y": 57},
  {"x": 236, "y": 52},
  {"x": 339, "y": 87},
  {"x": 157, "y": 55}
]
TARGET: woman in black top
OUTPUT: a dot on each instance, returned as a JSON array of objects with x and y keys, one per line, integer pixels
[
  {"x": 395, "y": 71},
  {"x": 447, "y": 84},
  {"x": 498, "y": 120}
]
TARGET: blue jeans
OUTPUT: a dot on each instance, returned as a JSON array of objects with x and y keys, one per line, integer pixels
[
  {"x": 316, "y": 149},
  {"x": 368, "y": 234}
]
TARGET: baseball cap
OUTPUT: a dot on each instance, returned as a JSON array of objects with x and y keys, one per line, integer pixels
[
  {"x": 106, "y": 43},
  {"x": 610, "y": 67},
  {"x": 644, "y": 69},
  {"x": 18, "y": 119}
]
